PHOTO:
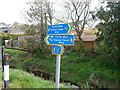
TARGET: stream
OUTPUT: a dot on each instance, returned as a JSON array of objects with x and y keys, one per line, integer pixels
[{"x": 47, "y": 76}]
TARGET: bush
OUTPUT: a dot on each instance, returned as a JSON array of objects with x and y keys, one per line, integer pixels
[
  {"x": 38, "y": 47},
  {"x": 108, "y": 56}
]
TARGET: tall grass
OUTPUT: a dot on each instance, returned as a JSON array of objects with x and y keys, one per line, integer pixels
[
  {"x": 22, "y": 79},
  {"x": 75, "y": 67},
  {"x": 0, "y": 79}
]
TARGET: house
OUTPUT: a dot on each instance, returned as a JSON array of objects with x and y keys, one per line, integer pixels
[
  {"x": 17, "y": 28},
  {"x": 87, "y": 39},
  {"x": 4, "y": 28}
]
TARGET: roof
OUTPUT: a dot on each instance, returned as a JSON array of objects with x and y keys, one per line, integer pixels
[
  {"x": 84, "y": 36},
  {"x": 88, "y": 37}
]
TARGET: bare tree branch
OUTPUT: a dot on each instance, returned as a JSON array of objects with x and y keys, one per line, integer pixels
[
  {"x": 78, "y": 12},
  {"x": 40, "y": 13}
]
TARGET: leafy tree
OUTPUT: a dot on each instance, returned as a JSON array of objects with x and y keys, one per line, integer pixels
[
  {"x": 39, "y": 15},
  {"x": 37, "y": 47},
  {"x": 109, "y": 34}
]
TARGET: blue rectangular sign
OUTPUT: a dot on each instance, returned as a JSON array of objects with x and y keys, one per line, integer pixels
[
  {"x": 59, "y": 29},
  {"x": 67, "y": 39},
  {"x": 57, "y": 50}
]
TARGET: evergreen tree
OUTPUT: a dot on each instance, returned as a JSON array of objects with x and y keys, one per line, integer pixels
[{"x": 109, "y": 34}]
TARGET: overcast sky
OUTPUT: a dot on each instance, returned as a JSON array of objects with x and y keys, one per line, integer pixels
[{"x": 10, "y": 10}]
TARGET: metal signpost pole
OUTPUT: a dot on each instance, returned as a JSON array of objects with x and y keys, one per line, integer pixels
[
  {"x": 57, "y": 36},
  {"x": 57, "y": 70}
]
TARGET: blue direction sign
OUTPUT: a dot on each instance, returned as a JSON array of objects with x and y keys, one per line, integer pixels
[
  {"x": 59, "y": 29},
  {"x": 57, "y": 39},
  {"x": 57, "y": 50}
]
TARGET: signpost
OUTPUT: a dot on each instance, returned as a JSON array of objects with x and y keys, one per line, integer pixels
[
  {"x": 59, "y": 29},
  {"x": 57, "y": 70},
  {"x": 59, "y": 35},
  {"x": 62, "y": 39},
  {"x": 57, "y": 50}
]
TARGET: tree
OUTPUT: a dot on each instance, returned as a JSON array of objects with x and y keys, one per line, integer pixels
[
  {"x": 78, "y": 11},
  {"x": 39, "y": 14},
  {"x": 109, "y": 34}
]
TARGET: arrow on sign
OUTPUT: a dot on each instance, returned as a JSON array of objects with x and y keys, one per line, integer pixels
[
  {"x": 57, "y": 39},
  {"x": 57, "y": 50},
  {"x": 59, "y": 29}
]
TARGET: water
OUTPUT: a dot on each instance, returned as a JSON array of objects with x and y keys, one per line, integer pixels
[{"x": 46, "y": 76}]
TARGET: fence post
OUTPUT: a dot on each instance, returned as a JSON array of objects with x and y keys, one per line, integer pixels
[
  {"x": 6, "y": 71},
  {"x": 2, "y": 49}
]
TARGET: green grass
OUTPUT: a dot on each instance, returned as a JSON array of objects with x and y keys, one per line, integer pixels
[
  {"x": 74, "y": 67},
  {"x": 22, "y": 79},
  {"x": 0, "y": 79}
]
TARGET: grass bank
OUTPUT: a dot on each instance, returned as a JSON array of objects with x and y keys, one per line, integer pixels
[
  {"x": 86, "y": 72},
  {"x": 22, "y": 79}
]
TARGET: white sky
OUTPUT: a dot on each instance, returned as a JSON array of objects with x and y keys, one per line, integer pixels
[{"x": 10, "y": 10}]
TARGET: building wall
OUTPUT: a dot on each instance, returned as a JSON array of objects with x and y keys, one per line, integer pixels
[
  {"x": 4, "y": 31},
  {"x": 87, "y": 45},
  {"x": 17, "y": 31}
]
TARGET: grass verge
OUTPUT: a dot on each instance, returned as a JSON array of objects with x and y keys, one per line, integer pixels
[
  {"x": 22, "y": 79},
  {"x": 86, "y": 72}
]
